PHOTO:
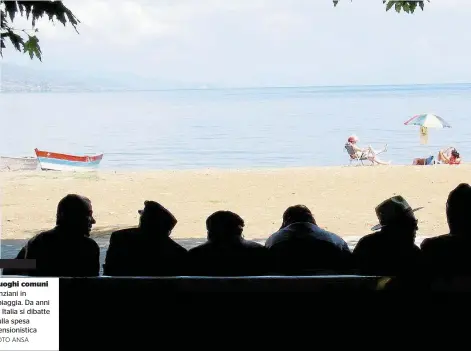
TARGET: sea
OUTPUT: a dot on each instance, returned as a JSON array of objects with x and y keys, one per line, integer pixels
[{"x": 232, "y": 128}]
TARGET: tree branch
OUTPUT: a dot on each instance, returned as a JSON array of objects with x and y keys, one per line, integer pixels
[{"x": 32, "y": 10}]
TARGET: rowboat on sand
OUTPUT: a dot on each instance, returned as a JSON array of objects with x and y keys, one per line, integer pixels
[
  {"x": 8, "y": 163},
  {"x": 62, "y": 162}
]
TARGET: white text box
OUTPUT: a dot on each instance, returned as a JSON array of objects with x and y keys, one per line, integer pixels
[{"x": 29, "y": 318}]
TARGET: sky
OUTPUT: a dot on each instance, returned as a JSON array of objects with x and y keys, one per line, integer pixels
[{"x": 251, "y": 43}]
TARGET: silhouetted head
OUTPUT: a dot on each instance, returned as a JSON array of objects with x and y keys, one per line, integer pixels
[
  {"x": 297, "y": 213},
  {"x": 224, "y": 226},
  {"x": 156, "y": 218},
  {"x": 75, "y": 213},
  {"x": 396, "y": 216},
  {"x": 458, "y": 210}
]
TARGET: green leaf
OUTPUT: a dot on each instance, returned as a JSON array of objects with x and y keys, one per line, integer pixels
[
  {"x": 406, "y": 7},
  {"x": 421, "y": 4},
  {"x": 33, "y": 11},
  {"x": 413, "y": 6},
  {"x": 398, "y": 7},
  {"x": 389, "y": 5},
  {"x": 32, "y": 47},
  {"x": 16, "y": 40}
]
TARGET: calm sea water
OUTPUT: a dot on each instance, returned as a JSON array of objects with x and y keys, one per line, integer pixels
[{"x": 238, "y": 128}]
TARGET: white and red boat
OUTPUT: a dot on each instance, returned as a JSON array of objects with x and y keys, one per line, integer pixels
[{"x": 62, "y": 162}]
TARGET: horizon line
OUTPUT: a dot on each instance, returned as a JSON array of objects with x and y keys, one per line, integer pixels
[
  {"x": 364, "y": 86},
  {"x": 202, "y": 87},
  {"x": 322, "y": 86}
]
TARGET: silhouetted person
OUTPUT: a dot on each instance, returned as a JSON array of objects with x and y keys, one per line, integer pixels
[
  {"x": 450, "y": 254},
  {"x": 392, "y": 250},
  {"x": 227, "y": 253},
  {"x": 147, "y": 250},
  {"x": 67, "y": 250},
  {"x": 301, "y": 247}
]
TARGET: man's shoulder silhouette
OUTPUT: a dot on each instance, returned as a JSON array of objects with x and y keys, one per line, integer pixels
[
  {"x": 447, "y": 248},
  {"x": 304, "y": 232},
  {"x": 124, "y": 234},
  {"x": 368, "y": 239},
  {"x": 134, "y": 239},
  {"x": 438, "y": 241},
  {"x": 44, "y": 236},
  {"x": 233, "y": 245},
  {"x": 60, "y": 254},
  {"x": 56, "y": 237},
  {"x": 250, "y": 244}
]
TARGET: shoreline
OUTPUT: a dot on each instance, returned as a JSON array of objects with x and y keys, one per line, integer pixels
[
  {"x": 123, "y": 171},
  {"x": 342, "y": 198}
]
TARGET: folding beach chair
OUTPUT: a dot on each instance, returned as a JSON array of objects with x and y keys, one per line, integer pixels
[{"x": 354, "y": 156}]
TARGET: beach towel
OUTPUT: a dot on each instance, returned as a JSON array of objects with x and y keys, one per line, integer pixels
[{"x": 430, "y": 160}]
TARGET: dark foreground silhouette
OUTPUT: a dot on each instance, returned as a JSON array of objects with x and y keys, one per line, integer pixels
[
  {"x": 67, "y": 249},
  {"x": 227, "y": 253},
  {"x": 299, "y": 247},
  {"x": 147, "y": 250}
]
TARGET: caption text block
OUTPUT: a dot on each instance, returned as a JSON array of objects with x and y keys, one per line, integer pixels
[{"x": 29, "y": 318}]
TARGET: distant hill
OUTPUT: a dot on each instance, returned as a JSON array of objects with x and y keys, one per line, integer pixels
[
  {"x": 20, "y": 78},
  {"x": 16, "y": 78}
]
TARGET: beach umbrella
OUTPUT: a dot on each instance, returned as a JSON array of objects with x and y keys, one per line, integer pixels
[
  {"x": 428, "y": 120},
  {"x": 425, "y": 121}
]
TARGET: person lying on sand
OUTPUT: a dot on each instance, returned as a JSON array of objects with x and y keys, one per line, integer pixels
[
  {"x": 424, "y": 161},
  {"x": 449, "y": 156},
  {"x": 368, "y": 152}
]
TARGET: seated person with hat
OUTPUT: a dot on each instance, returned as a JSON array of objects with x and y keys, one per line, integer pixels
[
  {"x": 148, "y": 249},
  {"x": 391, "y": 251}
]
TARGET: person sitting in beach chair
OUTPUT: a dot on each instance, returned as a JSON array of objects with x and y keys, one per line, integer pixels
[
  {"x": 357, "y": 153},
  {"x": 449, "y": 156}
]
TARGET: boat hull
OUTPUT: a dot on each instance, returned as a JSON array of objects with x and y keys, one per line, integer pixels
[
  {"x": 52, "y": 161},
  {"x": 18, "y": 163}
]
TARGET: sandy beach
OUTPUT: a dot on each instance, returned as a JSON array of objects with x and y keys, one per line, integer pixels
[{"x": 342, "y": 198}]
